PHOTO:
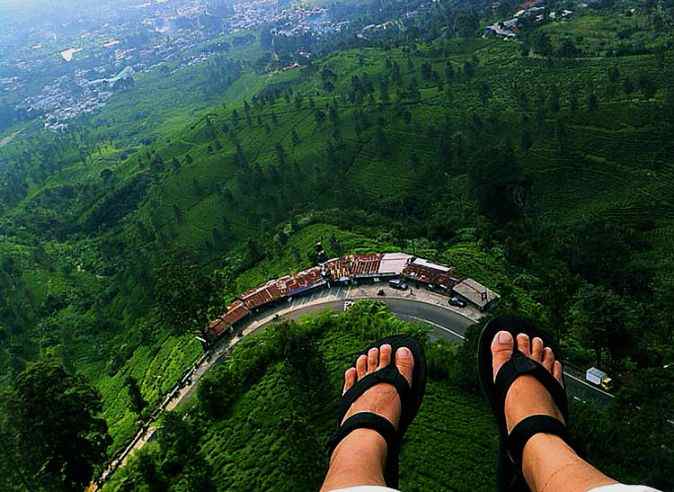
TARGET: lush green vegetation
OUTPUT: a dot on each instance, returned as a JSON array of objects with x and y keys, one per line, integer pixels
[
  {"x": 542, "y": 171},
  {"x": 262, "y": 417},
  {"x": 269, "y": 433}
]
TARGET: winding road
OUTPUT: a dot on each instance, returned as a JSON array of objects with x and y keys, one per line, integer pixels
[
  {"x": 446, "y": 322},
  {"x": 450, "y": 325}
]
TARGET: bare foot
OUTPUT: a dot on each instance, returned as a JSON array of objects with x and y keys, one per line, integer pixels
[
  {"x": 360, "y": 458},
  {"x": 382, "y": 399},
  {"x": 527, "y": 396}
]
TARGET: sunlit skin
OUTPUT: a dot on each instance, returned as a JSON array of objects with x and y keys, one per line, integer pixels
[{"x": 549, "y": 464}]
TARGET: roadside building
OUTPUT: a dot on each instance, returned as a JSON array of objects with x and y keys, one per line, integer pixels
[
  {"x": 430, "y": 274},
  {"x": 235, "y": 313},
  {"x": 475, "y": 293},
  {"x": 393, "y": 264}
]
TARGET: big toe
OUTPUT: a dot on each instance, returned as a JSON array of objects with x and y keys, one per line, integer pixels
[
  {"x": 405, "y": 363},
  {"x": 501, "y": 350}
]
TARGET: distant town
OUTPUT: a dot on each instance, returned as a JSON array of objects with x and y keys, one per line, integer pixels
[{"x": 102, "y": 59}]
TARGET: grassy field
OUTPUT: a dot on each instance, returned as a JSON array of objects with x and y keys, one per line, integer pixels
[
  {"x": 368, "y": 149},
  {"x": 273, "y": 436}
]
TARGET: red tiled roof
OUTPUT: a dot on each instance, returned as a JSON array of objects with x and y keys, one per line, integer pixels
[
  {"x": 430, "y": 276},
  {"x": 336, "y": 268},
  {"x": 261, "y": 295},
  {"x": 354, "y": 266},
  {"x": 300, "y": 281},
  {"x": 235, "y": 312}
]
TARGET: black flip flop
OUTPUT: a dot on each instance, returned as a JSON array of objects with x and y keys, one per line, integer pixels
[
  {"x": 410, "y": 398},
  {"x": 509, "y": 466}
]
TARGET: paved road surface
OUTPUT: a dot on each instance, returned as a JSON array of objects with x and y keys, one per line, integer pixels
[
  {"x": 446, "y": 322},
  {"x": 449, "y": 325}
]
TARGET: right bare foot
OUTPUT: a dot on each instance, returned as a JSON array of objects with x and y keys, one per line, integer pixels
[
  {"x": 527, "y": 396},
  {"x": 383, "y": 398}
]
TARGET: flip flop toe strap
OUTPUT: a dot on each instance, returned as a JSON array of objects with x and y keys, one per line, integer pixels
[
  {"x": 365, "y": 420},
  {"x": 529, "y": 427},
  {"x": 388, "y": 374},
  {"x": 520, "y": 365}
]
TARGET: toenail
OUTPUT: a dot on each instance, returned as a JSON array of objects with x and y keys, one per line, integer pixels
[
  {"x": 404, "y": 351},
  {"x": 503, "y": 337}
]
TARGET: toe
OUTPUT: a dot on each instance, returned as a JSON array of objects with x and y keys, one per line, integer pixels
[
  {"x": 361, "y": 366},
  {"x": 501, "y": 350},
  {"x": 372, "y": 360},
  {"x": 557, "y": 372},
  {"x": 384, "y": 355},
  {"x": 405, "y": 363},
  {"x": 349, "y": 379},
  {"x": 548, "y": 358},
  {"x": 523, "y": 344},
  {"x": 537, "y": 349}
]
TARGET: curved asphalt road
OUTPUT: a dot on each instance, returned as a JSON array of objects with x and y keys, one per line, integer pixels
[
  {"x": 450, "y": 325},
  {"x": 445, "y": 324}
]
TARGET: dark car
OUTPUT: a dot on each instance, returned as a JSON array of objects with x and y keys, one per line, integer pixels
[
  {"x": 455, "y": 301},
  {"x": 397, "y": 284}
]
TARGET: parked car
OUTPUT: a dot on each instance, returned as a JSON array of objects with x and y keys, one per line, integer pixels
[
  {"x": 455, "y": 301},
  {"x": 397, "y": 284}
]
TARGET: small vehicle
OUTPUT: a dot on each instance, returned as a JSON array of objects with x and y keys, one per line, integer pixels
[
  {"x": 455, "y": 301},
  {"x": 397, "y": 284},
  {"x": 381, "y": 292},
  {"x": 598, "y": 378}
]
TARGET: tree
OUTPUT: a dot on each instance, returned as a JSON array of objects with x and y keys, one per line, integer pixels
[
  {"x": 465, "y": 370},
  {"x": 468, "y": 69},
  {"x": 107, "y": 176},
  {"x": 449, "y": 71},
  {"x": 573, "y": 100},
  {"x": 467, "y": 23},
  {"x": 592, "y": 102},
  {"x": 280, "y": 154},
  {"x": 183, "y": 293},
  {"x": 216, "y": 391},
  {"x": 138, "y": 403},
  {"x": 485, "y": 92},
  {"x": 628, "y": 86},
  {"x": 647, "y": 86},
  {"x": 498, "y": 184},
  {"x": 59, "y": 437},
  {"x": 602, "y": 321},
  {"x": 542, "y": 44},
  {"x": 613, "y": 74},
  {"x": 525, "y": 139},
  {"x": 555, "y": 95},
  {"x": 178, "y": 214}
]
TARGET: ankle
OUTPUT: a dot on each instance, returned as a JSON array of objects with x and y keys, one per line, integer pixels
[
  {"x": 358, "y": 460},
  {"x": 361, "y": 445},
  {"x": 551, "y": 465}
]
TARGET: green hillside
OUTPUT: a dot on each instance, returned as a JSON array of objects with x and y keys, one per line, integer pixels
[
  {"x": 540, "y": 166},
  {"x": 272, "y": 435}
]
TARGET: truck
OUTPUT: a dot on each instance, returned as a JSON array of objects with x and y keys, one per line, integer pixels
[{"x": 598, "y": 378}]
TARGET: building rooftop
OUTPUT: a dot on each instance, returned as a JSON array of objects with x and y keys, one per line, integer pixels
[
  {"x": 433, "y": 266},
  {"x": 393, "y": 263},
  {"x": 475, "y": 292}
]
